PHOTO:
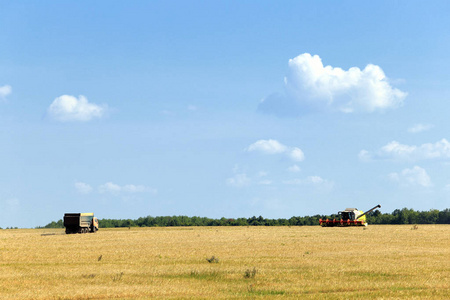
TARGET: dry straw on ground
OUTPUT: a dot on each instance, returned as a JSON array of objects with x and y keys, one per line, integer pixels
[{"x": 381, "y": 262}]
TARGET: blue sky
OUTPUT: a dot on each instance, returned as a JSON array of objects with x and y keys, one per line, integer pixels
[{"x": 222, "y": 108}]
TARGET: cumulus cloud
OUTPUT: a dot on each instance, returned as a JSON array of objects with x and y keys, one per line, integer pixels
[
  {"x": 83, "y": 188},
  {"x": 113, "y": 188},
  {"x": 5, "y": 91},
  {"x": 396, "y": 151},
  {"x": 310, "y": 85},
  {"x": 68, "y": 108},
  {"x": 274, "y": 147},
  {"x": 412, "y": 177},
  {"x": 296, "y": 154},
  {"x": 420, "y": 128},
  {"x": 267, "y": 146}
]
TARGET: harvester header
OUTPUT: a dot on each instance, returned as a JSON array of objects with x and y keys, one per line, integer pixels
[{"x": 349, "y": 217}]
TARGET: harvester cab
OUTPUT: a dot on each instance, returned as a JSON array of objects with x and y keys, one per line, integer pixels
[
  {"x": 349, "y": 217},
  {"x": 350, "y": 214}
]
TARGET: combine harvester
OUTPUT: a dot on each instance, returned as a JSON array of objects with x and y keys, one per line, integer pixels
[{"x": 349, "y": 217}]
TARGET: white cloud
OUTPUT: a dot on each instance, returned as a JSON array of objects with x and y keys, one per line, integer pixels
[
  {"x": 67, "y": 108},
  {"x": 412, "y": 177},
  {"x": 312, "y": 181},
  {"x": 274, "y": 147},
  {"x": 315, "y": 179},
  {"x": 5, "y": 91},
  {"x": 262, "y": 174},
  {"x": 267, "y": 147},
  {"x": 113, "y": 188},
  {"x": 239, "y": 180},
  {"x": 294, "y": 169},
  {"x": 131, "y": 188},
  {"x": 109, "y": 187},
  {"x": 420, "y": 128},
  {"x": 349, "y": 91},
  {"x": 297, "y": 154},
  {"x": 310, "y": 84},
  {"x": 364, "y": 155},
  {"x": 83, "y": 188},
  {"x": 396, "y": 151}
]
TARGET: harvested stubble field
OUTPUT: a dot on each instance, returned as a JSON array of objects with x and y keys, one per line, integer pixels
[{"x": 380, "y": 262}]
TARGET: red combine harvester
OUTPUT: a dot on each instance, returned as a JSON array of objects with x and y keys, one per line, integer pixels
[{"x": 349, "y": 217}]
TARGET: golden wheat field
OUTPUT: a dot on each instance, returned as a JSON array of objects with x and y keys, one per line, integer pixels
[{"x": 310, "y": 262}]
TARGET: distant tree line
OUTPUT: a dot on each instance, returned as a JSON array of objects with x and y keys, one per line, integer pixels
[
  {"x": 398, "y": 216},
  {"x": 410, "y": 216}
]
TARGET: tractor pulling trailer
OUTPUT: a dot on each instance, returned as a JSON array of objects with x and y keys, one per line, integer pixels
[{"x": 80, "y": 222}]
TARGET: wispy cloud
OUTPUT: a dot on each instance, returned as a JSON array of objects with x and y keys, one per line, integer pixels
[
  {"x": 262, "y": 178},
  {"x": 396, "y": 151},
  {"x": 83, "y": 188},
  {"x": 294, "y": 169},
  {"x": 68, "y": 108},
  {"x": 5, "y": 91},
  {"x": 417, "y": 128},
  {"x": 239, "y": 180},
  {"x": 274, "y": 147},
  {"x": 113, "y": 188},
  {"x": 309, "y": 84},
  {"x": 412, "y": 177},
  {"x": 312, "y": 181}
]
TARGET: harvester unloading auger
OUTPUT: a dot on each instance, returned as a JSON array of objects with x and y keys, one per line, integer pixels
[{"x": 349, "y": 217}]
